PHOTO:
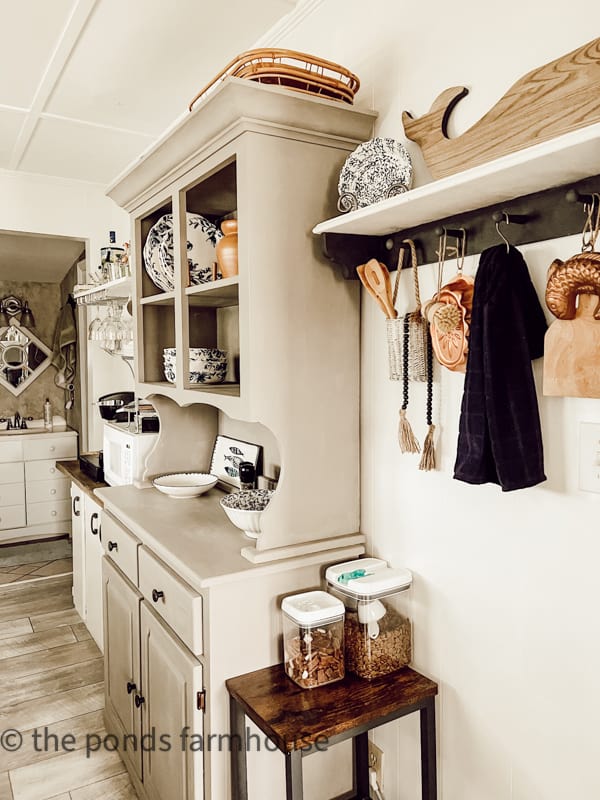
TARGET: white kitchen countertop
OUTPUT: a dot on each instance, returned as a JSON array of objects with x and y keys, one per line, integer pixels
[{"x": 193, "y": 537}]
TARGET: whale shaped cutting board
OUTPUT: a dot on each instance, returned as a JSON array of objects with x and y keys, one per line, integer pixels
[{"x": 549, "y": 101}]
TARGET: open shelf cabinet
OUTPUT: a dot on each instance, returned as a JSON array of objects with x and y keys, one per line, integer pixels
[{"x": 269, "y": 158}]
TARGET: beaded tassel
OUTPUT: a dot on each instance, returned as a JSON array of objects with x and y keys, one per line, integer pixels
[
  {"x": 406, "y": 437},
  {"x": 428, "y": 457}
]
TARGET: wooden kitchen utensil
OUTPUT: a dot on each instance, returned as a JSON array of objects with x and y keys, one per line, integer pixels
[
  {"x": 559, "y": 97},
  {"x": 363, "y": 279},
  {"x": 379, "y": 280}
]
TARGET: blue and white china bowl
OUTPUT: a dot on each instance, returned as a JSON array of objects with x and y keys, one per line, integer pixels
[
  {"x": 244, "y": 509},
  {"x": 374, "y": 171},
  {"x": 206, "y": 365},
  {"x": 159, "y": 253}
]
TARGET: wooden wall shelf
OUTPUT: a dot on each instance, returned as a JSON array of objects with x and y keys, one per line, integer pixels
[{"x": 518, "y": 183}]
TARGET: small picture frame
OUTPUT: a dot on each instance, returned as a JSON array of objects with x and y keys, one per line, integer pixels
[{"x": 228, "y": 454}]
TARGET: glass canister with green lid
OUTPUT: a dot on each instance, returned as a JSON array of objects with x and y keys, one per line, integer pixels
[
  {"x": 313, "y": 638},
  {"x": 378, "y": 638}
]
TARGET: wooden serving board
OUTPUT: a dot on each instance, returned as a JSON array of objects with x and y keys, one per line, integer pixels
[{"x": 549, "y": 101}]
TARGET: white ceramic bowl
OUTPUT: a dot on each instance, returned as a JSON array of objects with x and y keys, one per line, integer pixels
[
  {"x": 183, "y": 485},
  {"x": 245, "y": 508}
]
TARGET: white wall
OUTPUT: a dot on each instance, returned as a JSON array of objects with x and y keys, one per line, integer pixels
[
  {"x": 39, "y": 204},
  {"x": 506, "y": 590}
]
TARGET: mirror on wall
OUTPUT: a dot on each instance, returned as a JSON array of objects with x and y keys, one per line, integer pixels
[{"x": 23, "y": 357}]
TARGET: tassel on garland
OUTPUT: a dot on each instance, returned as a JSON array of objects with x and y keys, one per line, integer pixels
[
  {"x": 428, "y": 457},
  {"x": 427, "y": 462},
  {"x": 406, "y": 437}
]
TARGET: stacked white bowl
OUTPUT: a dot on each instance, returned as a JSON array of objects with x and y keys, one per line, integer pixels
[{"x": 206, "y": 364}]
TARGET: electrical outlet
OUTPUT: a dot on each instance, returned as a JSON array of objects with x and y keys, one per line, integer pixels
[{"x": 376, "y": 761}]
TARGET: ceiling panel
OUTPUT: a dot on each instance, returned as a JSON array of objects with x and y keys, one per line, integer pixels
[
  {"x": 42, "y": 259},
  {"x": 31, "y": 31},
  {"x": 10, "y": 125},
  {"x": 82, "y": 152},
  {"x": 137, "y": 64}
]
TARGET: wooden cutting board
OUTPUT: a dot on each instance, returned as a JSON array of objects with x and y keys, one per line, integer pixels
[
  {"x": 572, "y": 353},
  {"x": 549, "y": 101}
]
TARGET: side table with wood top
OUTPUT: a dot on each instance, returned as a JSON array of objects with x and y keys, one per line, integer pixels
[{"x": 302, "y": 721}]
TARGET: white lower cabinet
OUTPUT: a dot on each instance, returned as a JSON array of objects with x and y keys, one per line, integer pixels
[
  {"x": 93, "y": 570},
  {"x": 122, "y": 680},
  {"x": 86, "y": 520},
  {"x": 172, "y": 709},
  {"x": 154, "y": 695},
  {"x": 78, "y": 542},
  {"x": 34, "y": 496}
]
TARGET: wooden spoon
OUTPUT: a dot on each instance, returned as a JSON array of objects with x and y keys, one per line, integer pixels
[
  {"x": 378, "y": 277},
  {"x": 367, "y": 285}
]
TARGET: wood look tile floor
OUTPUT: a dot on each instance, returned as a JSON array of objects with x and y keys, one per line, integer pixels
[
  {"x": 26, "y": 562},
  {"x": 51, "y": 685}
]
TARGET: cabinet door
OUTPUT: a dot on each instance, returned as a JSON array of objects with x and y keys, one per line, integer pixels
[
  {"x": 78, "y": 541},
  {"x": 93, "y": 569},
  {"x": 171, "y": 685},
  {"x": 122, "y": 683}
]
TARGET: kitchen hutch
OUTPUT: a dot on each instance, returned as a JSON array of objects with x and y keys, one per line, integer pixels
[{"x": 188, "y": 600}]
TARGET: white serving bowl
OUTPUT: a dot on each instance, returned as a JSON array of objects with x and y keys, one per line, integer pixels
[
  {"x": 183, "y": 485},
  {"x": 245, "y": 508}
]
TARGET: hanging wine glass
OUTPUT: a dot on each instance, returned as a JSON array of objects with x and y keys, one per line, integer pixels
[
  {"x": 94, "y": 326},
  {"x": 108, "y": 330}
]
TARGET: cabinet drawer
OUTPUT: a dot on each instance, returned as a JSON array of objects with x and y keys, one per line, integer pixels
[
  {"x": 45, "y": 491},
  {"x": 12, "y": 494},
  {"x": 57, "y": 511},
  {"x": 12, "y": 517},
  {"x": 179, "y": 605},
  {"x": 41, "y": 470},
  {"x": 11, "y": 451},
  {"x": 121, "y": 546},
  {"x": 53, "y": 446},
  {"x": 12, "y": 473}
]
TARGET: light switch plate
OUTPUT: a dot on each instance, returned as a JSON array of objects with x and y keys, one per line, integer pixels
[{"x": 589, "y": 456}]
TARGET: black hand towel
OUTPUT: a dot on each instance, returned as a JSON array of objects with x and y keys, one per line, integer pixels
[{"x": 500, "y": 439}]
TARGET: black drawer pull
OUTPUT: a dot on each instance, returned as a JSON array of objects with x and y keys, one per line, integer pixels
[
  {"x": 76, "y": 511},
  {"x": 156, "y": 595},
  {"x": 94, "y": 518},
  {"x": 139, "y": 700},
  {"x": 131, "y": 687},
  {"x": 112, "y": 546}
]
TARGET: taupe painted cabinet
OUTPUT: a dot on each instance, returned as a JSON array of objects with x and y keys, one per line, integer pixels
[{"x": 290, "y": 326}]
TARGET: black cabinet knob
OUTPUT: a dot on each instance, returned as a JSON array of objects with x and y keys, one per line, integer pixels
[
  {"x": 112, "y": 546},
  {"x": 156, "y": 595},
  {"x": 76, "y": 509},
  {"x": 139, "y": 700},
  {"x": 131, "y": 687}
]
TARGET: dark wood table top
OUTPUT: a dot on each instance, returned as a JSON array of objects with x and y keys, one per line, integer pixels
[
  {"x": 294, "y": 718},
  {"x": 72, "y": 470}
]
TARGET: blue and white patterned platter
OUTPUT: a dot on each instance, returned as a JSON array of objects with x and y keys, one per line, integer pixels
[
  {"x": 377, "y": 169},
  {"x": 159, "y": 261}
]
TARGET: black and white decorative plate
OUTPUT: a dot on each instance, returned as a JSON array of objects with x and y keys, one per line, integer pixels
[
  {"x": 159, "y": 261},
  {"x": 377, "y": 169}
]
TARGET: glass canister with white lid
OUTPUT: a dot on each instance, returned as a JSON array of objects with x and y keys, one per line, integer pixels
[
  {"x": 313, "y": 638},
  {"x": 378, "y": 638}
]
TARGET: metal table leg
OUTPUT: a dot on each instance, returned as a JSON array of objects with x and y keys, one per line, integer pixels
[
  {"x": 293, "y": 775},
  {"x": 360, "y": 745},
  {"x": 428, "y": 756},
  {"x": 239, "y": 772}
]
